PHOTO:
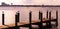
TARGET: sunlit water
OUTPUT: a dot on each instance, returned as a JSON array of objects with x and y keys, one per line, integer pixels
[{"x": 24, "y": 13}]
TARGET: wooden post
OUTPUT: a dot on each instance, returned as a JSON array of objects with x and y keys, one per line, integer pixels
[
  {"x": 56, "y": 18},
  {"x": 16, "y": 19},
  {"x": 47, "y": 15},
  {"x": 40, "y": 24},
  {"x": 30, "y": 18},
  {"x": 39, "y": 14},
  {"x": 41, "y": 21},
  {"x": 47, "y": 18},
  {"x": 16, "y": 27},
  {"x": 50, "y": 26},
  {"x": 3, "y": 18},
  {"x": 18, "y": 14}
]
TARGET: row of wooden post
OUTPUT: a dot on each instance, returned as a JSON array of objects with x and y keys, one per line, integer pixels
[
  {"x": 30, "y": 18},
  {"x": 48, "y": 23}
]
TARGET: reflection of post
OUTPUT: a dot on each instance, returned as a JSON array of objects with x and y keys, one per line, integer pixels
[
  {"x": 2, "y": 17},
  {"x": 50, "y": 19},
  {"x": 40, "y": 25},
  {"x": 30, "y": 18},
  {"x": 56, "y": 18}
]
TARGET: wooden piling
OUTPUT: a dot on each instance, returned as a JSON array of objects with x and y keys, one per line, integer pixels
[
  {"x": 16, "y": 18},
  {"x": 47, "y": 18},
  {"x": 30, "y": 19},
  {"x": 18, "y": 14},
  {"x": 3, "y": 18},
  {"x": 50, "y": 26},
  {"x": 47, "y": 15},
  {"x": 39, "y": 14},
  {"x": 41, "y": 22},
  {"x": 56, "y": 18}
]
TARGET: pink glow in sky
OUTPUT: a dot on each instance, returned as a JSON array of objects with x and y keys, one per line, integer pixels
[{"x": 32, "y": 2}]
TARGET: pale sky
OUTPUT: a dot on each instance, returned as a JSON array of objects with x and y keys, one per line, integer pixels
[{"x": 32, "y": 2}]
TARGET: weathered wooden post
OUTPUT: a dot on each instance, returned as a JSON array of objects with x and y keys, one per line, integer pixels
[
  {"x": 50, "y": 26},
  {"x": 16, "y": 18},
  {"x": 40, "y": 24},
  {"x": 47, "y": 15},
  {"x": 39, "y": 14},
  {"x": 30, "y": 19},
  {"x": 2, "y": 17},
  {"x": 47, "y": 18},
  {"x": 56, "y": 18}
]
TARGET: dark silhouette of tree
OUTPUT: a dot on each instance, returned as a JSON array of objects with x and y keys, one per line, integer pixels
[{"x": 3, "y": 3}]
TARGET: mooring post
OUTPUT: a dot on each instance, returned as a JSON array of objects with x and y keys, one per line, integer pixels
[
  {"x": 16, "y": 18},
  {"x": 18, "y": 14},
  {"x": 50, "y": 26},
  {"x": 39, "y": 14},
  {"x": 30, "y": 19},
  {"x": 40, "y": 24},
  {"x": 47, "y": 15},
  {"x": 56, "y": 18},
  {"x": 39, "y": 19},
  {"x": 47, "y": 18},
  {"x": 2, "y": 17}
]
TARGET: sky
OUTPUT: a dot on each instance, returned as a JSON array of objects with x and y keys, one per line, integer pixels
[{"x": 32, "y": 2}]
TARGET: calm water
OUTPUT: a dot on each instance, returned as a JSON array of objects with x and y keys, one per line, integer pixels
[{"x": 24, "y": 14}]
